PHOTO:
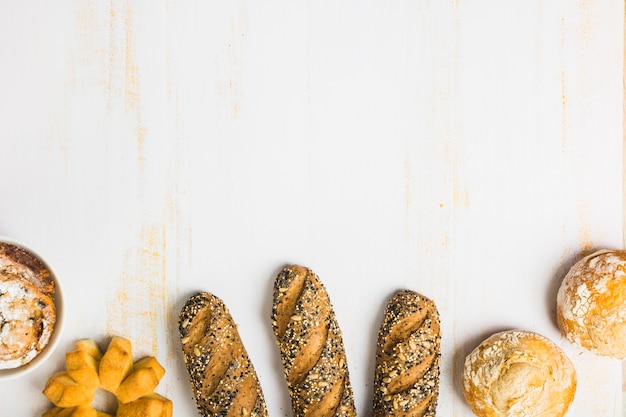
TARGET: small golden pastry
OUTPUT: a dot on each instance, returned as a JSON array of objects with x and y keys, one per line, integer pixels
[
  {"x": 311, "y": 346},
  {"x": 591, "y": 303},
  {"x": 116, "y": 363},
  {"x": 79, "y": 411},
  {"x": 64, "y": 392},
  {"x": 221, "y": 374},
  {"x": 143, "y": 379},
  {"x": 518, "y": 373},
  {"x": 408, "y": 358},
  {"x": 87, "y": 370},
  {"x": 82, "y": 364},
  {"x": 152, "y": 405}
]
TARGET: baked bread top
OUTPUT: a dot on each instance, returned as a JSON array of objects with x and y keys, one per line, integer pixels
[
  {"x": 27, "y": 309},
  {"x": 221, "y": 373},
  {"x": 18, "y": 261},
  {"x": 408, "y": 357},
  {"x": 311, "y": 346},
  {"x": 27, "y": 318},
  {"x": 518, "y": 373},
  {"x": 591, "y": 303}
]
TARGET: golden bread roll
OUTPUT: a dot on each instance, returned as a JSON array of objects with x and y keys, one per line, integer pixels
[
  {"x": 143, "y": 379},
  {"x": 518, "y": 373},
  {"x": 53, "y": 412},
  {"x": 222, "y": 377},
  {"x": 152, "y": 405},
  {"x": 87, "y": 370},
  {"x": 64, "y": 392},
  {"x": 311, "y": 346},
  {"x": 27, "y": 309},
  {"x": 90, "y": 347},
  {"x": 591, "y": 303},
  {"x": 116, "y": 363},
  {"x": 408, "y": 358},
  {"x": 79, "y": 411},
  {"x": 82, "y": 364}
]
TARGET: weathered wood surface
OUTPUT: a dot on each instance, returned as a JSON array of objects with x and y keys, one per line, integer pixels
[{"x": 470, "y": 151}]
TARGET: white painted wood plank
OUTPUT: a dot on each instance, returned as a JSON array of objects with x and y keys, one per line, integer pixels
[{"x": 467, "y": 150}]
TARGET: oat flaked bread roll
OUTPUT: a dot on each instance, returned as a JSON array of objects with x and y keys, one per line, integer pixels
[
  {"x": 222, "y": 377},
  {"x": 311, "y": 346},
  {"x": 408, "y": 357}
]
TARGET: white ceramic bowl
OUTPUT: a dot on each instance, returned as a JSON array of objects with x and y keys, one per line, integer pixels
[{"x": 6, "y": 374}]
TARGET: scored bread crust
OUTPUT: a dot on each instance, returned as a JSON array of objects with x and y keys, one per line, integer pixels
[
  {"x": 311, "y": 346},
  {"x": 221, "y": 374},
  {"x": 408, "y": 357}
]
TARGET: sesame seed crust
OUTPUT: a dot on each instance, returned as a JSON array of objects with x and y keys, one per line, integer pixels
[
  {"x": 221, "y": 374},
  {"x": 311, "y": 346},
  {"x": 408, "y": 358}
]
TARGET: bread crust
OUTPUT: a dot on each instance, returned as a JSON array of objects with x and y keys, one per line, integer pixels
[
  {"x": 17, "y": 261},
  {"x": 408, "y": 357},
  {"x": 221, "y": 374},
  {"x": 518, "y": 373},
  {"x": 27, "y": 309},
  {"x": 591, "y": 303},
  {"x": 86, "y": 370},
  {"x": 311, "y": 346},
  {"x": 27, "y": 318}
]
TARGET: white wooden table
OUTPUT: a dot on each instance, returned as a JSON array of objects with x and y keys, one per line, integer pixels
[{"x": 469, "y": 150}]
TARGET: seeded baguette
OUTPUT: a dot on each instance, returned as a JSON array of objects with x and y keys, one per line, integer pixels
[
  {"x": 311, "y": 346},
  {"x": 408, "y": 357},
  {"x": 222, "y": 377}
]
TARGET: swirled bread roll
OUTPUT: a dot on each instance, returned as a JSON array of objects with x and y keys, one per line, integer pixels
[
  {"x": 27, "y": 319},
  {"x": 591, "y": 303},
  {"x": 28, "y": 312},
  {"x": 20, "y": 262},
  {"x": 222, "y": 377},
  {"x": 311, "y": 346},
  {"x": 518, "y": 373},
  {"x": 408, "y": 356}
]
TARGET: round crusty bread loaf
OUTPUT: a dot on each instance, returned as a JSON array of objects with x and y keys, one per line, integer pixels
[
  {"x": 518, "y": 373},
  {"x": 591, "y": 303}
]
